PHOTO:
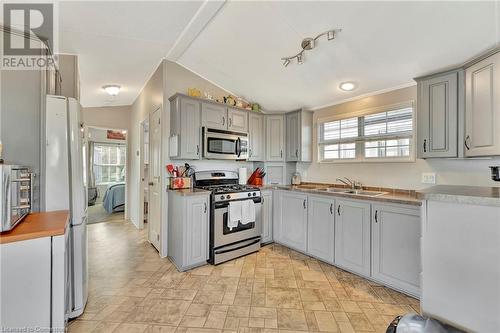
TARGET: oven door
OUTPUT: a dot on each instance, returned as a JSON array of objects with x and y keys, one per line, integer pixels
[
  {"x": 224, "y": 145},
  {"x": 224, "y": 236}
]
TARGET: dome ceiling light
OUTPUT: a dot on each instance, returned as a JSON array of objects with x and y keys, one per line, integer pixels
[
  {"x": 309, "y": 44},
  {"x": 112, "y": 89},
  {"x": 348, "y": 86}
]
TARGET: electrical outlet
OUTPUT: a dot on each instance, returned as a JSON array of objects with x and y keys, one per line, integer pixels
[{"x": 428, "y": 178}]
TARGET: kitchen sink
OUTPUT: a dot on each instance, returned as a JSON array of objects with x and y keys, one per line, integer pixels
[{"x": 355, "y": 192}]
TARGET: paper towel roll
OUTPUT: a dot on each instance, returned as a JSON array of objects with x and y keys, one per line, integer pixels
[{"x": 242, "y": 176}]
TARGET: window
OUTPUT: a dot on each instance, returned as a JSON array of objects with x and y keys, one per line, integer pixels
[
  {"x": 382, "y": 134},
  {"x": 109, "y": 163}
]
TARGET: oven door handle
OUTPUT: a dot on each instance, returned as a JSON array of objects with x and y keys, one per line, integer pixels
[{"x": 237, "y": 248}]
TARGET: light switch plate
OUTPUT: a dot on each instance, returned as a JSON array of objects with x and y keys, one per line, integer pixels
[{"x": 428, "y": 178}]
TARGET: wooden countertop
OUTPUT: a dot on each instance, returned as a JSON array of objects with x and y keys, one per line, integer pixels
[{"x": 37, "y": 225}]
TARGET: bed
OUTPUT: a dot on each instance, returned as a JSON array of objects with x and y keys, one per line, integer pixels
[{"x": 114, "y": 198}]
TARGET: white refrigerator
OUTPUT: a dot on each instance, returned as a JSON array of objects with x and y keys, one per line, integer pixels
[{"x": 65, "y": 190}]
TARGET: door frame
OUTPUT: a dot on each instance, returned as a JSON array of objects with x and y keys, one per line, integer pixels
[
  {"x": 86, "y": 128},
  {"x": 142, "y": 180},
  {"x": 160, "y": 160}
]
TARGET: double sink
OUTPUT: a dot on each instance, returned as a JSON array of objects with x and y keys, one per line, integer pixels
[{"x": 359, "y": 192}]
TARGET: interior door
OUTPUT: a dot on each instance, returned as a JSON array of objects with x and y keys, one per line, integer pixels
[{"x": 155, "y": 178}]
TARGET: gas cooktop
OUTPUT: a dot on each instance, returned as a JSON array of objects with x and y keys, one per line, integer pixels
[{"x": 233, "y": 188}]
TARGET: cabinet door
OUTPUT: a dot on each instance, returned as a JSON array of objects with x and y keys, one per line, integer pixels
[
  {"x": 274, "y": 138},
  {"x": 321, "y": 227},
  {"x": 213, "y": 116},
  {"x": 256, "y": 147},
  {"x": 396, "y": 247},
  {"x": 482, "y": 107},
  {"x": 438, "y": 116},
  {"x": 294, "y": 220},
  {"x": 190, "y": 129},
  {"x": 275, "y": 174},
  {"x": 237, "y": 120},
  {"x": 352, "y": 236},
  {"x": 267, "y": 216},
  {"x": 196, "y": 230},
  {"x": 293, "y": 137}
]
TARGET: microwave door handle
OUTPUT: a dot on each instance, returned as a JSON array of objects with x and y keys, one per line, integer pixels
[{"x": 238, "y": 147}]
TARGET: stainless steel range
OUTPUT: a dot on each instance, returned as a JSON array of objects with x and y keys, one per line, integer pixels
[{"x": 229, "y": 240}]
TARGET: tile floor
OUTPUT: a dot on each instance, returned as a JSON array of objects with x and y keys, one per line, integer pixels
[{"x": 275, "y": 290}]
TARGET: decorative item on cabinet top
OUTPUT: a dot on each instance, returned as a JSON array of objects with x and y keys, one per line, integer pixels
[{"x": 230, "y": 100}]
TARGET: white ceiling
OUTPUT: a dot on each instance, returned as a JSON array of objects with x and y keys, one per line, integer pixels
[
  {"x": 383, "y": 45},
  {"x": 120, "y": 42}
]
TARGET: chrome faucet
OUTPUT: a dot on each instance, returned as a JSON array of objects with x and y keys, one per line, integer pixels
[{"x": 350, "y": 183}]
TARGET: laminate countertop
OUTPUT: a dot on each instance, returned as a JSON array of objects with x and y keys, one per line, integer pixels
[
  {"x": 474, "y": 195},
  {"x": 189, "y": 191},
  {"x": 37, "y": 225},
  {"x": 405, "y": 197}
]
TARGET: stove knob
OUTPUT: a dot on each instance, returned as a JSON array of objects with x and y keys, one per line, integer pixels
[
  {"x": 250, "y": 194},
  {"x": 228, "y": 197},
  {"x": 254, "y": 194},
  {"x": 222, "y": 197}
]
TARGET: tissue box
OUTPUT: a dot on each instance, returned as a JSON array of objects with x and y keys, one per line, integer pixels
[{"x": 177, "y": 183}]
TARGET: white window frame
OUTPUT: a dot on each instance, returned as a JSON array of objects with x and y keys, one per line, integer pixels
[
  {"x": 108, "y": 164},
  {"x": 360, "y": 155}
]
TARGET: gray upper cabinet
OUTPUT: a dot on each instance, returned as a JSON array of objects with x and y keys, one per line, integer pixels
[
  {"x": 185, "y": 136},
  {"x": 275, "y": 137},
  {"x": 321, "y": 228},
  {"x": 438, "y": 103},
  {"x": 299, "y": 136},
  {"x": 256, "y": 135},
  {"x": 482, "y": 107},
  {"x": 214, "y": 116},
  {"x": 237, "y": 120},
  {"x": 352, "y": 236},
  {"x": 396, "y": 246}
]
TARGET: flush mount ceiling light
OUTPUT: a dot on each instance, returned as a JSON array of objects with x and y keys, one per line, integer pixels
[
  {"x": 112, "y": 89},
  {"x": 309, "y": 44},
  {"x": 348, "y": 86}
]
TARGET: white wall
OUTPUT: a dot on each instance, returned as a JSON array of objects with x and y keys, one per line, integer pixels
[
  {"x": 112, "y": 117},
  {"x": 397, "y": 175}
]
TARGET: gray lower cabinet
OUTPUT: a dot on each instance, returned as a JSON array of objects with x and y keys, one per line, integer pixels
[
  {"x": 482, "y": 107},
  {"x": 256, "y": 136},
  {"x": 267, "y": 216},
  {"x": 396, "y": 247},
  {"x": 185, "y": 134},
  {"x": 188, "y": 229},
  {"x": 275, "y": 137},
  {"x": 321, "y": 227},
  {"x": 237, "y": 120},
  {"x": 291, "y": 221},
  {"x": 438, "y": 103},
  {"x": 352, "y": 236}
]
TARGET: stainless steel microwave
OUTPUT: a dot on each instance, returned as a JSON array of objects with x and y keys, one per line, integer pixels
[
  {"x": 224, "y": 145},
  {"x": 16, "y": 194}
]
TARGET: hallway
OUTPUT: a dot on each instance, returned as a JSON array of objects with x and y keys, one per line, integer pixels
[{"x": 132, "y": 289}]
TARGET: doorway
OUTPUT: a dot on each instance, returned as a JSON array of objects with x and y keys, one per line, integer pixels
[
  {"x": 106, "y": 172},
  {"x": 154, "y": 204},
  {"x": 144, "y": 161}
]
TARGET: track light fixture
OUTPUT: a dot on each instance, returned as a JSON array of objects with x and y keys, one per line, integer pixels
[{"x": 309, "y": 44}]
